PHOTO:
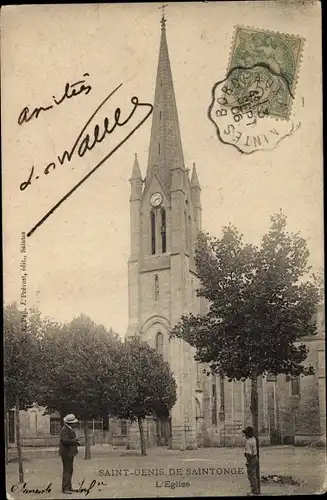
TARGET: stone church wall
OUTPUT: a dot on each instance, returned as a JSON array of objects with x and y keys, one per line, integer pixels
[{"x": 299, "y": 415}]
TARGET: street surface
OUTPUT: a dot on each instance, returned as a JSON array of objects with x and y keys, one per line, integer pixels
[{"x": 119, "y": 473}]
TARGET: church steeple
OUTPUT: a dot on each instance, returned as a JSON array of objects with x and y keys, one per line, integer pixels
[
  {"x": 195, "y": 180},
  {"x": 165, "y": 216},
  {"x": 136, "y": 173},
  {"x": 165, "y": 152},
  {"x": 136, "y": 181}
]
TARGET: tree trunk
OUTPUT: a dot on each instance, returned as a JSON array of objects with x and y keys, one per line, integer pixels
[
  {"x": 18, "y": 442},
  {"x": 87, "y": 453},
  {"x": 140, "y": 422},
  {"x": 255, "y": 420},
  {"x": 128, "y": 445}
]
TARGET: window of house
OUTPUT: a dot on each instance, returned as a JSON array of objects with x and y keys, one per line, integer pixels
[
  {"x": 105, "y": 422},
  {"x": 198, "y": 373},
  {"x": 271, "y": 377},
  {"x": 222, "y": 395},
  {"x": 123, "y": 427},
  {"x": 159, "y": 343},
  {"x": 98, "y": 425},
  {"x": 163, "y": 231},
  {"x": 153, "y": 232},
  {"x": 295, "y": 386},
  {"x": 55, "y": 426},
  {"x": 214, "y": 404}
]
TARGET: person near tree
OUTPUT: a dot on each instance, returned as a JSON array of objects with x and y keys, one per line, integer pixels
[
  {"x": 251, "y": 456},
  {"x": 68, "y": 450}
]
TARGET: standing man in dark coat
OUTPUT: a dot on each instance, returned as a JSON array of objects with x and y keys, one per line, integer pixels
[{"x": 68, "y": 450}]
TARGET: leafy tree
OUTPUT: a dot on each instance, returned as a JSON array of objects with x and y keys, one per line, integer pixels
[
  {"x": 261, "y": 300},
  {"x": 20, "y": 362},
  {"x": 79, "y": 367},
  {"x": 319, "y": 281},
  {"x": 146, "y": 385}
]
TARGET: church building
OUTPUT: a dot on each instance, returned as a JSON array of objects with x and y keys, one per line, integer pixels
[{"x": 165, "y": 217}]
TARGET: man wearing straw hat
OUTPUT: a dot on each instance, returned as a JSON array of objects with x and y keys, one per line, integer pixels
[{"x": 68, "y": 450}]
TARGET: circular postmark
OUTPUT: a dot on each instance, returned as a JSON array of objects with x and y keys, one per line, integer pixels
[{"x": 250, "y": 108}]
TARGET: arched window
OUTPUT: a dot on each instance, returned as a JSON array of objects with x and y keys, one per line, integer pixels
[
  {"x": 197, "y": 409},
  {"x": 163, "y": 231},
  {"x": 222, "y": 399},
  {"x": 186, "y": 231},
  {"x": 295, "y": 386},
  {"x": 159, "y": 343},
  {"x": 198, "y": 372},
  {"x": 189, "y": 243},
  {"x": 153, "y": 232}
]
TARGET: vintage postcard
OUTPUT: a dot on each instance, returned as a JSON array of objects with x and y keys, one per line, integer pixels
[{"x": 163, "y": 249}]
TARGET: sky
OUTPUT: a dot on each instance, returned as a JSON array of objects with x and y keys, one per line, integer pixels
[{"x": 77, "y": 259}]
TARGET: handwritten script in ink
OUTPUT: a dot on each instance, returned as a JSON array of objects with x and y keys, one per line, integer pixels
[
  {"x": 71, "y": 90},
  {"x": 83, "y": 488},
  {"x": 85, "y": 141},
  {"x": 87, "y": 488},
  {"x": 18, "y": 488}
]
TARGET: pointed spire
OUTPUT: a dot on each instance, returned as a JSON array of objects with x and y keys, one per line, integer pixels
[
  {"x": 136, "y": 173},
  {"x": 165, "y": 152},
  {"x": 195, "y": 184}
]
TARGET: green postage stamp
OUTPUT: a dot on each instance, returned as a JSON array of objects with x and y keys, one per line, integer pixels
[{"x": 272, "y": 60}]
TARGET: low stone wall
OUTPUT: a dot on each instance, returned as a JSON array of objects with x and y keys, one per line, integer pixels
[
  {"x": 48, "y": 441},
  {"x": 43, "y": 441},
  {"x": 301, "y": 440},
  {"x": 236, "y": 440},
  {"x": 118, "y": 440}
]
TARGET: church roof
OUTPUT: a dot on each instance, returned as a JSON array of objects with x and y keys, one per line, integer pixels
[{"x": 165, "y": 152}]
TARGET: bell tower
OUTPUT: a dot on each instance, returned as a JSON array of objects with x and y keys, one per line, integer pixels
[{"x": 165, "y": 216}]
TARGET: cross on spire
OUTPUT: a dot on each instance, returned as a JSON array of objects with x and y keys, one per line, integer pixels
[{"x": 163, "y": 19}]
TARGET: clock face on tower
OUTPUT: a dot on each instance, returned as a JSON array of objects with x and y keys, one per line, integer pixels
[{"x": 156, "y": 199}]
